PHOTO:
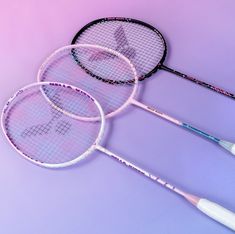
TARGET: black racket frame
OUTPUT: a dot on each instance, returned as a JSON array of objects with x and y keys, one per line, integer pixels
[{"x": 122, "y": 19}]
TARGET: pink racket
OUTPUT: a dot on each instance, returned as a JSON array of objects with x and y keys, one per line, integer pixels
[
  {"x": 52, "y": 125},
  {"x": 109, "y": 77}
]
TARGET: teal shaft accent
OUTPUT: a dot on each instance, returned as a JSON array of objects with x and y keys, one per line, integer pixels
[{"x": 199, "y": 132}]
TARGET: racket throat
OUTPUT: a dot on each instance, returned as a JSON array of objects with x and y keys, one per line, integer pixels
[
  {"x": 156, "y": 112},
  {"x": 165, "y": 68}
]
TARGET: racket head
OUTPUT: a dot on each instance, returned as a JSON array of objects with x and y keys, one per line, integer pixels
[
  {"x": 42, "y": 122},
  {"x": 148, "y": 42},
  {"x": 93, "y": 70}
]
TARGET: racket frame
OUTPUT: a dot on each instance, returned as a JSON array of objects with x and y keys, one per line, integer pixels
[
  {"x": 119, "y": 55},
  {"x": 130, "y": 20},
  {"x": 92, "y": 148}
]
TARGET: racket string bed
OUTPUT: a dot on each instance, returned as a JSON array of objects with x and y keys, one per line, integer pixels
[
  {"x": 66, "y": 70},
  {"x": 104, "y": 34}
]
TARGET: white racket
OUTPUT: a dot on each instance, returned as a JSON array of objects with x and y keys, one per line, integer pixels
[{"x": 52, "y": 125}]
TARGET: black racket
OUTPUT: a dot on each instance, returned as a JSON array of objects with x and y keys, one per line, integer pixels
[{"x": 143, "y": 44}]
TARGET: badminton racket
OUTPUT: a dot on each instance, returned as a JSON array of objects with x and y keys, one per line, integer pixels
[
  {"x": 95, "y": 70},
  {"x": 53, "y": 145},
  {"x": 142, "y": 43}
]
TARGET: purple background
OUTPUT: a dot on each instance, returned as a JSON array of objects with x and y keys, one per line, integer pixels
[{"x": 101, "y": 196}]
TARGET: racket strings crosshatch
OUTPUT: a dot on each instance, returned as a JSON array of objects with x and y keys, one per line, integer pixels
[{"x": 60, "y": 120}]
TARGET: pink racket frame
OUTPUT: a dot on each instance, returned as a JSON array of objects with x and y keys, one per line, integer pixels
[
  {"x": 229, "y": 146},
  {"x": 129, "y": 101}
]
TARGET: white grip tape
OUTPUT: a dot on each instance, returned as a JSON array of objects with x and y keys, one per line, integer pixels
[
  {"x": 217, "y": 212},
  {"x": 233, "y": 149}
]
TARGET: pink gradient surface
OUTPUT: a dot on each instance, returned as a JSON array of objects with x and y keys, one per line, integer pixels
[{"x": 99, "y": 195}]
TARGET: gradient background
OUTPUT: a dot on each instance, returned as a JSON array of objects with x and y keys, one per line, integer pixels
[{"x": 101, "y": 196}]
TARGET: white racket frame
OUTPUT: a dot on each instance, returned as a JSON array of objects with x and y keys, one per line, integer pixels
[{"x": 80, "y": 157}]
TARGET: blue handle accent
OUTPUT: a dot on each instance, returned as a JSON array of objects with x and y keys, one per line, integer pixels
[{"x": 201, "y": 133}]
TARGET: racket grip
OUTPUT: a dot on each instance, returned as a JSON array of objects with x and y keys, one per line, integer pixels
[
  {"x": 217, "y": 212},
  {"x": 228, "y": 146}
]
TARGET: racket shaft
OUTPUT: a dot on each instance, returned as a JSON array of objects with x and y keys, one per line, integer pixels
[
  {"x": 199, "y": 82},
  {"x": 211, "y": 209},
  {"x": 201, "y": 133},
  {"x": 175, "y": 121},
  {"x": 154, "y": 178}
]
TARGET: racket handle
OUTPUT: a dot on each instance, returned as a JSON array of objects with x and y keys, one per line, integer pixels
[
  {"x": 217, "y": 212},
  {"x": 228, "y": 146}
]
